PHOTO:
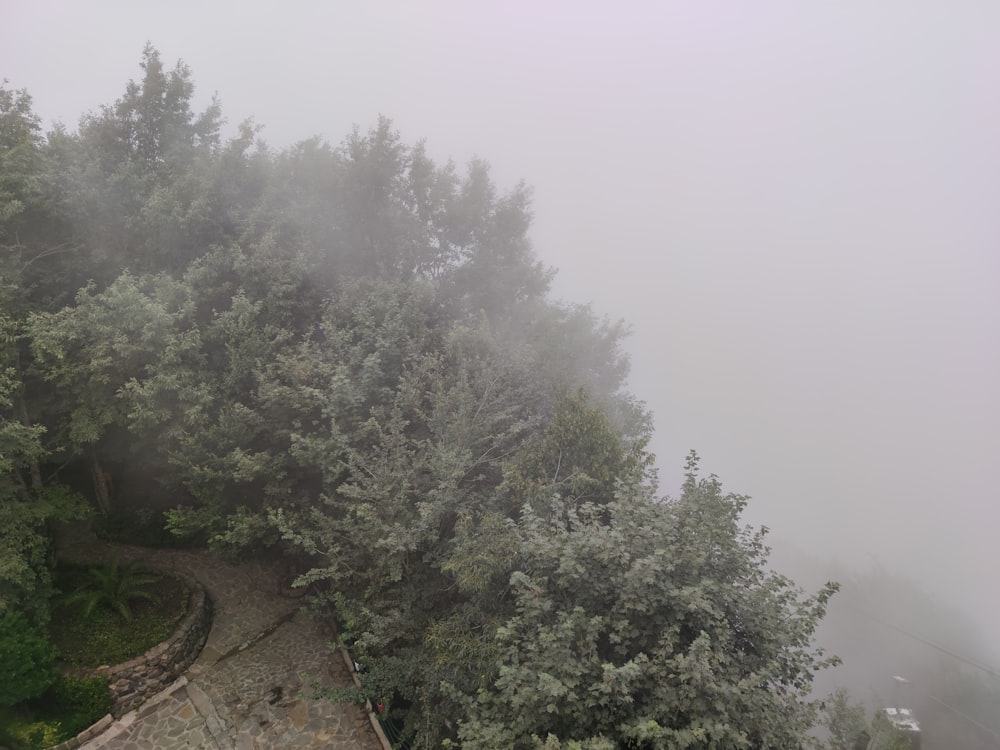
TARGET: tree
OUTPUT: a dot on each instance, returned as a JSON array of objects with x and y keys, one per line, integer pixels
[
  {"x": 27, "y": 501},
  {"x": 579, "y": 456},
  {"x": 89, "y": 352},
  {"x": 498, "y": 269},
  {"x": 845, "y": 721},
  {"x": 412, "y": 530},
  {"x": 649, "y": 624},
  {"x": 138, "y": 175},
  {"x": 20, "y": 157}
]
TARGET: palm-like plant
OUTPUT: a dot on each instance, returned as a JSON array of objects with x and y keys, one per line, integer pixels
[{"x": 113, "y": 585}]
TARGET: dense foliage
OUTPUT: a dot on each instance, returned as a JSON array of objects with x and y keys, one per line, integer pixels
[
  {"x": 113, "y": 586},
  {"x": 66, "y": 708},
  {"x": 25, "y": 660},
  {"x": 643, "y": 624},
  {"x": 348, "y": 354}
]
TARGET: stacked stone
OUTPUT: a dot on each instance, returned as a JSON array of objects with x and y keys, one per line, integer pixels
[{"x": 134, "y": 681}]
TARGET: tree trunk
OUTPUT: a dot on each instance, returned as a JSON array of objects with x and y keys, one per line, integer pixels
[
  {"x": 35, "y": 469},
  {"x": 103, "y": 488}
]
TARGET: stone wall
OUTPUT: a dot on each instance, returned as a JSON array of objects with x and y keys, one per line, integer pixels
[{"x": 134, "y": 681}]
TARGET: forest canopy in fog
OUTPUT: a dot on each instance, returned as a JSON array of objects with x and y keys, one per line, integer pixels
[{"x": 347, "y": 355}]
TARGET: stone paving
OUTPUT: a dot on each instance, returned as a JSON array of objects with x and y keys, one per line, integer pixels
[{"x": 251, "y": 686}]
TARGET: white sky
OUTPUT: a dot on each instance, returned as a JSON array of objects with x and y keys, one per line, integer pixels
[{"x": 794, "y": 204}]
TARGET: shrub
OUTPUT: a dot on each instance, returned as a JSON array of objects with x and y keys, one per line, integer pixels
[
  {"x": 64, "y": 710},
  {"x": 77, "y": 703},
  {"x": 35, "y": 735},
  {"x": 26, "y": 660},
  {"x": 114, "y": 585}
]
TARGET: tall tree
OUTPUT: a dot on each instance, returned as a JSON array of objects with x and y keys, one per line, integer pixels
[
  {"x": 650, "y": 625},
  {"x": 27, "y": 500},
  {"x": 136, "y": 185},
  {"x": 87, "y": 354},
  {"x": 20, "y": 160}
]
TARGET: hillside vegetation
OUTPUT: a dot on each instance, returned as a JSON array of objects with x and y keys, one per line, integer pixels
[{"x": 347, "y": 355}]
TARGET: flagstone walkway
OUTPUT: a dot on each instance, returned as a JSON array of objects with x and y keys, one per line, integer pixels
[{"x": 251, "y": 687}]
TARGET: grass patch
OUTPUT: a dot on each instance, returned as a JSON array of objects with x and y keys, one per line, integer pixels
[{"x": 104, "y": 637}]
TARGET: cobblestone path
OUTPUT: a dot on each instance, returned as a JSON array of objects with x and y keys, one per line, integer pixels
[{"x": 250, "y": 687}]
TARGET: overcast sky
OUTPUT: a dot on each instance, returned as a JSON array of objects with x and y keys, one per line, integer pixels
[{"x": 795, "y": 205}]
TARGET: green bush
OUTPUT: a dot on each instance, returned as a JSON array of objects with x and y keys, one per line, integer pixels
[
  {"x": 114, "y": 586},
  {"x": 64, "y": 710},
  {"x": 26, "y": 660},
  {"x": 78, "y": 703}
]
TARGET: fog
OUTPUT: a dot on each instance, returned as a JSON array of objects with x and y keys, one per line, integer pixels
[{"x": 793, "y": 205}]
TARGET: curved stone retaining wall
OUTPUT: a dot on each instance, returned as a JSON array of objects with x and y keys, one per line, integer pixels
[{"x": 134, "y": 681}]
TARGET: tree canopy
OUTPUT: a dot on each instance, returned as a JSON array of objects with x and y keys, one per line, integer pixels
[{"x": 347, "y": 355}]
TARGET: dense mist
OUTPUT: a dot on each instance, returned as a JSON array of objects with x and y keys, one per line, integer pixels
[{"x": 792, "y": 208}]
